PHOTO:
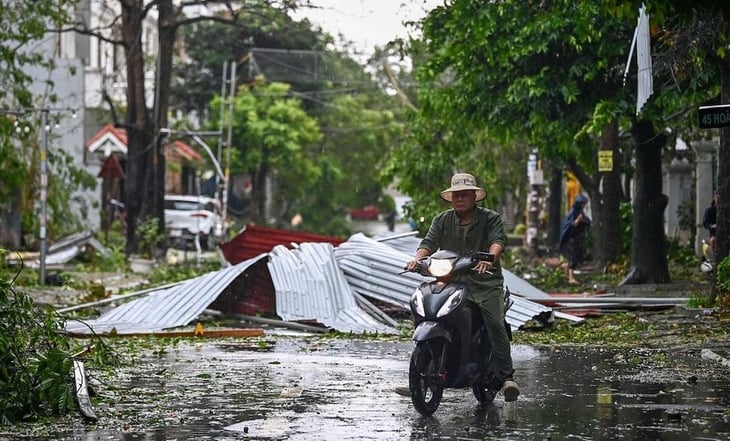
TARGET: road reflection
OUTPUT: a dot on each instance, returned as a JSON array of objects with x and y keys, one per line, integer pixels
[{"x": 345, "y": 390}]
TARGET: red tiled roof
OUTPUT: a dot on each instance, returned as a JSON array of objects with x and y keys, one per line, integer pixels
[
  {"x": 178, "y": 147},
  {"x": 255, "y": 240},
  {"x": 120, "y": 134},
  {"x": 183, "y": 149}
]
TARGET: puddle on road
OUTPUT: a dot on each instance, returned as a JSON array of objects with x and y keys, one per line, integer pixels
[{"x": 313, "y": 389}]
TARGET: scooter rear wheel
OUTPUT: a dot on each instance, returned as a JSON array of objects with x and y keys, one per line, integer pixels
[{"x": 424, "y": 378}]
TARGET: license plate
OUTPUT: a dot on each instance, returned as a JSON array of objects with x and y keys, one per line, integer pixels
[{"x": 175, "y": 233}]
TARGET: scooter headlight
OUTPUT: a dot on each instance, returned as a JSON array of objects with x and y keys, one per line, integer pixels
[
  {"x": 440, "y": 267},
  {"x": 452, "y": 302},
  {"x": 417, "y": 303}
]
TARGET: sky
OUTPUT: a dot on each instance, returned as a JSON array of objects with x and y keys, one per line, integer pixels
[{"x": 367, "y": 23}]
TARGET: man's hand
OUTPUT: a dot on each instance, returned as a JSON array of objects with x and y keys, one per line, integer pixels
[
  {"x": 411, "y": 265},
  {"x": 420, "y": 254},
  {"x": 483, "y": 267}
]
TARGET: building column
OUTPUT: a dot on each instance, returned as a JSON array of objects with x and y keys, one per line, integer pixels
[
  {"x": 678, "y": 188},
  {"x": 706, "y": 176}
]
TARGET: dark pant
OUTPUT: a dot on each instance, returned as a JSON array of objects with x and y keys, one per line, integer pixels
[{"x": 492, "y": 307}]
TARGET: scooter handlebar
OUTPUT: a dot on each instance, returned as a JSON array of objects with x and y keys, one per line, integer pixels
[{"x": 481, "y": 255}]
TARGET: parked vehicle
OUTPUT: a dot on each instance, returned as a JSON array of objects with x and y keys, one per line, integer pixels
[
  {"x": 191, "y": 217},
  {"x": 370, "y": 212},
  {"x": 451, "y": 340}
]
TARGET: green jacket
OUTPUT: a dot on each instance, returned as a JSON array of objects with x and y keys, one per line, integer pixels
[{"x": 485, "y": 229}]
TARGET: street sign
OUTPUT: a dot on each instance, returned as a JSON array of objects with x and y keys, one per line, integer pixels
[
  {"x": 714, "y": 116},
  {"x": 605, "y": 161}
]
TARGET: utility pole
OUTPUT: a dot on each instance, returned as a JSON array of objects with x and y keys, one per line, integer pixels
[
  {"x": 229, "y": 142},
  {"x": 220, "y": 188},
  {"x": 43, "y": 178},
  {"x": 44, "y": 191}
]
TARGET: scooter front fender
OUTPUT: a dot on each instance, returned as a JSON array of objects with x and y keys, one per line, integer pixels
[{"x": 428, "y": 330}]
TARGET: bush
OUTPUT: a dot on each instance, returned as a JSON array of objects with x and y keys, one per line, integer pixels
[
  {"x": 722, "y": 284},
  {"x": 35, "y": 361}
]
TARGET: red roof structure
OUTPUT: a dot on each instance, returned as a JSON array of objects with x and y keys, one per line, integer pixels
[
  {"x": 255, "y": 240},
  {"x": 111, "y": 169},
  {"x": 184, "y": 150},
  {"x": 112, "y": 139},
  {"x": 256, "y": 293}
]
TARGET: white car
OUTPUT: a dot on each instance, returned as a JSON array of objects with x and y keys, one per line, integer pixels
[{"x": 189, "y": 216}]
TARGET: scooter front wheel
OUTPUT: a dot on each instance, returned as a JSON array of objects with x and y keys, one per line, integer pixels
[
  {"x": 424, "y": 377},
  {"x": 484, "y": 391}
]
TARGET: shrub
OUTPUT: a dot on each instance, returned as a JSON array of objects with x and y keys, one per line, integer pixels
[
  {"x": 35, "y": 362},
  {"x": 722, "y": 284}
]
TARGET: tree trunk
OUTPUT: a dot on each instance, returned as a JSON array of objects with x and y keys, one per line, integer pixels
[
  {"x": 607, "y": 243},
  {"x": 136, "y": 118},
  {"x": 648, "y": 251},
  {"x": 167, "y": 29},
  {"x": 259, "y": 194},
  {"x": 145, "y": 157},
  {"x": 10, "y": 230}
]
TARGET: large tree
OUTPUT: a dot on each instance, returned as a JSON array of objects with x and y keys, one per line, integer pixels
[
  {"x": 358, "y": 120},
  {"x": 210, "y": 46},
  {"x": 529, "y": 73},
  {"x": 146, "y": 162},
  {"x": 276, "y": 142},
  {"x": 693, "y": 41},
  {"x": 688, "y": 44},
  {"x": 25, "y": 25}
]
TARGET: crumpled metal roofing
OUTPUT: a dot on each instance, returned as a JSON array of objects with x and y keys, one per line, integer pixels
[
  {"x": 313, "y": 282},
  {"x": 310, "y": 286},
  {"x": 165, "y": 308},
  {"x": 373, "y": 268}
]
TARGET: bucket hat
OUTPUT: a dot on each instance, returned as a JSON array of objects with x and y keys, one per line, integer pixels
[{"x": 461, "y": 182}]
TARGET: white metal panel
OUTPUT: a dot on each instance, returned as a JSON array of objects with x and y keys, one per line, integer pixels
[
  {"x": 310, "y": 286},
  {"x": 165, "y": 308}
]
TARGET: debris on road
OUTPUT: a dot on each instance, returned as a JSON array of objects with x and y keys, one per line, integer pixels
[
  {"x": 60, "y": 252},
  {"x": 348, "y": 286}
]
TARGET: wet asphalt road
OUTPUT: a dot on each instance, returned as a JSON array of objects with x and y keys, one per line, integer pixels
[{"x": 305, "y": 388}]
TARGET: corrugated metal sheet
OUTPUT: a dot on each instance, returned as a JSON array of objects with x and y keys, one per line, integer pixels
[
  {"x": 645, "y": 86},
  {"x": 314, "y": 281},
  {"x": 310, "y": 286},
  {"x": 255, "y": 240},
  {"x": 60, "y": 252},
  {"x": 408, "y": 244},
  {"x": 373, "y": 267},
  {"x": 166, "y": 308}
]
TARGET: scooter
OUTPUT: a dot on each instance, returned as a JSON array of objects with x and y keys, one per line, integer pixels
[{"x": 451, "y": 341}]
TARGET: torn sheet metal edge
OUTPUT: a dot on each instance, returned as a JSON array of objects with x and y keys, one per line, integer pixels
[
  {"x": 166, "y": 308},
  {"x": 310, "y": 286}
]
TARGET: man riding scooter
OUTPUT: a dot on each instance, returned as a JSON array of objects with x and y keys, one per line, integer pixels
[{"x": 467, "y": 228}]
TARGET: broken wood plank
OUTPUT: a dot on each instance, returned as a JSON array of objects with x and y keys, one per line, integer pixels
[
  {"x": 281, "y": 323},
  {"x": 206, "y": 333},
  {"x": 115, "y": 298},
  {"x": 613, "y": 300},
  {"x": 374, "y": 310}
]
